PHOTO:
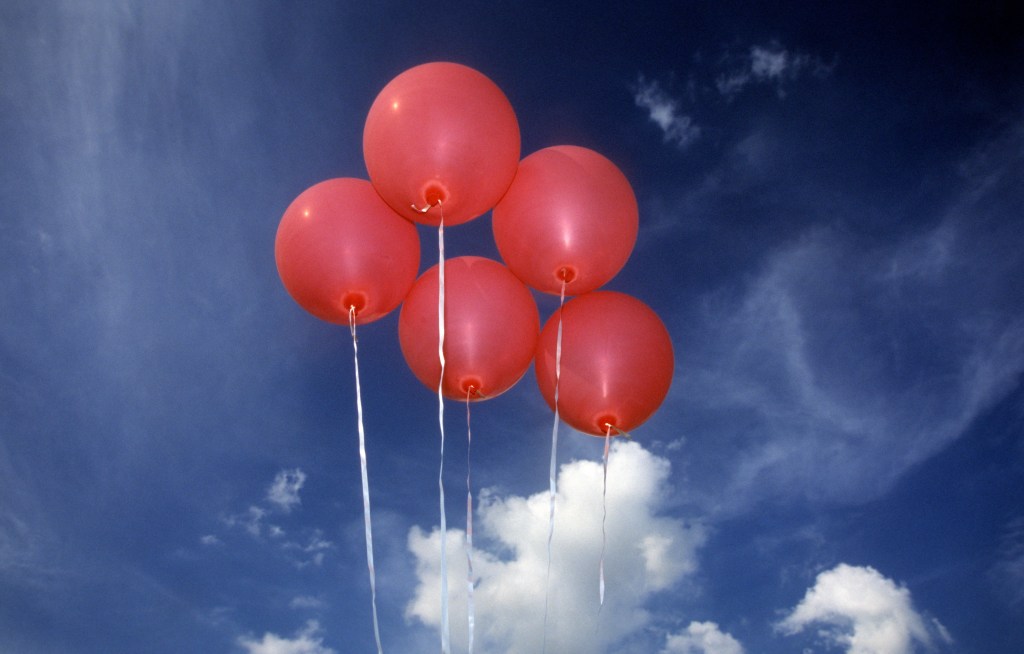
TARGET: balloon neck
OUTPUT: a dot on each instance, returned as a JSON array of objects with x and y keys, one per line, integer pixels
[
  {"x": 604, "y": 423},
  {"x": 470, "y": 386},
  {"x": 566, "y": 274},
  {"x": 433, "y": 194},
  {"x": 354, "y": 301}
]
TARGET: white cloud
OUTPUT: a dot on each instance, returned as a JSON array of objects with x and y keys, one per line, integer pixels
[
  {"x": 210, "y": 540},
  {"x": 251, "y": 520},
  {"x": 315, "y": 548},
  {"x": 769, "y": 64},
  {"x": 664, "y": 111},
  {"x": 306, "y": 602},
  {"x": 702, "y": 638},
  {"x": 303, "y": 546},
  {"x": 773, "y": 63},
  {"x": 284, "y": 492},
  {"x": 306, "y": 641},
  {"x": 646, "y": 552},
  {"x": 730, "y": 85},
  {"x": 859, "y": 609},
  {"x": 762, "y": 64}
]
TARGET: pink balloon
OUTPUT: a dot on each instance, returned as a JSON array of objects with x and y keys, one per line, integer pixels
[
  {"x": 569, "y": 214},
  {"x": 441, "y": 131},
  {"x": 338, "y": 245},
  {"x": 617, "y": 362},
  {"x": 491, "y": 327}
]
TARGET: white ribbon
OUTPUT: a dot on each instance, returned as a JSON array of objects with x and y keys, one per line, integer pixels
[
  {"x": 445, "y": 630},
  {"x": 469, "y": 526},
  {"x": 367, "y": 522},
  {"x": 604, "y": 507},
  {"x": 553, "y": 469}
]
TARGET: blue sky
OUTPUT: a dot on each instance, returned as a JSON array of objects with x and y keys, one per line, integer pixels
[{"x": 831, "y": 205}]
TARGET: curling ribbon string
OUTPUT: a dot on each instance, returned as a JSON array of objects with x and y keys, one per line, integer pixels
[
  {"x": 553, "y": 469},
  {"x": 367, "y": 522},
  {"x": 445, "y": 631}
]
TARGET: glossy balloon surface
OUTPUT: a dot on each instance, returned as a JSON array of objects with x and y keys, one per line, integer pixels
[
  {"x": 441, "y": 131},
  {"x": 491, "y": 328},
  {"x": 338, "y": 245},
  {"x": 570, "y": 212},
  {"x": 617, "y": 362}
]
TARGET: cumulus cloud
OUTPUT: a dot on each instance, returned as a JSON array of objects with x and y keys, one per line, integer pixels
[
  {"x": 646, "y": 552},
  {"x": 769, "y": 64},
  {"x": 859, "y": 609},
  {"x": 284, "y": 492},
  {"x": 306, "y": 641},
  {"x": 702, "y": 638},
  {"x": 678, "y": 128}
]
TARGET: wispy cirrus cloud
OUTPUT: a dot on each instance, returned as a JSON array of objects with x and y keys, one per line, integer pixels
[
  {"x": 664, "y": 111},
  {"x": 311, "y": 552},
  {"x": 844, "y": 422},
  {"x": 773, "y": 64},
  {"x": 303, "y": 546},
  {"x": 306, "y": 602},
  {"x": 841, "y": 362},
  {"x": 861, "y": 610},
  {"x": 251, "y": 520},
  {"x": 1008, "y": 571}
]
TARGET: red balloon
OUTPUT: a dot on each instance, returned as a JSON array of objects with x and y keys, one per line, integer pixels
[
  {"x": 441, "y": 132},
  {"x": 617, "y": 362},
  {"x": 569, "y": 214},
  {"x": 491, "y": 327},
  {"x": 339, "y": 245}
]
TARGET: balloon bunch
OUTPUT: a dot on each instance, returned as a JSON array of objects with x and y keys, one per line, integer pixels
[{"x": 441, "y": 145}]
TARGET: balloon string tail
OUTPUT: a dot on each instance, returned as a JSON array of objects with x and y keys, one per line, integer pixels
[
  {"x": 367, "y": 521},
  {"x": 604, "y": 513},
  {"x": 470, "y": 616},
  {"x": 445, "y": 629},
  {"x": 553, "y": 467}
]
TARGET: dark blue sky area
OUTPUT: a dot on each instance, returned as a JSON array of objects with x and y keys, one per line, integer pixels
[{"x": 830, "y": 228}]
